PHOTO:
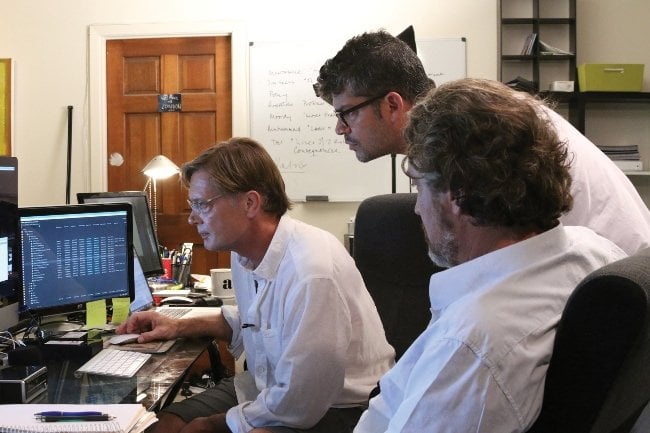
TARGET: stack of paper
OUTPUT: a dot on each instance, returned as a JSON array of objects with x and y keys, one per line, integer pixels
[
  {"x": 627, "y": 158},
  {"x": 125, "y": 418}
]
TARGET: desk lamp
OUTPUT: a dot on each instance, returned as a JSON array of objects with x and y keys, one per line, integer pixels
[{"x": 160, "y": 167}]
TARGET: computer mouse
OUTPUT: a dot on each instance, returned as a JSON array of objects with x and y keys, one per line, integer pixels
[{"x": 177, "y": 300}]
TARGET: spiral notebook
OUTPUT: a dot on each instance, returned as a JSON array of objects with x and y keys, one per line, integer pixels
[{"x": 127, "y": 418}]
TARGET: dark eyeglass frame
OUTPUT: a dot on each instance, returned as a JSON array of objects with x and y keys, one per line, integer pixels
[{"x": 340, "y": 114}]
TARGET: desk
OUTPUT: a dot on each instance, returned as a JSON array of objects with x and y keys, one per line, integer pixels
[{"x": 157, "y": 381}]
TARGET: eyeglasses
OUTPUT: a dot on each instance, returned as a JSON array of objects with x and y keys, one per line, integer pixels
[
  {"x": 202, "y": 206},
  {"x": 340, "y": 114}
]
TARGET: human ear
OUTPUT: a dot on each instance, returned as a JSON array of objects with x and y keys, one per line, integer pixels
[{"x": 252, "y": 202}]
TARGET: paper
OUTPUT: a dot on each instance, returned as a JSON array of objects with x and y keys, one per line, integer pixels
[
  {"x": 120, "y": 310},
  {"x": 96, "y": 313},
  {"x": 128, "y": 418}
]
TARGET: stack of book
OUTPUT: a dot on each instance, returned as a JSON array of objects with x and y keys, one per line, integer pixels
[
  {"x": 627, "y": 158},
  {"x": 529, "y": 45}
]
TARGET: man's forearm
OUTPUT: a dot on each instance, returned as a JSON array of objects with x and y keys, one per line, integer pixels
[{"x": 214, "y": 326}]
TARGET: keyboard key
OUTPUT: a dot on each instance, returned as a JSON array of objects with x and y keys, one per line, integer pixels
[{"x": 174, "y": 312}]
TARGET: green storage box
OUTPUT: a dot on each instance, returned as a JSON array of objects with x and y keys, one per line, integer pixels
[{"x": 610, "y": 77}]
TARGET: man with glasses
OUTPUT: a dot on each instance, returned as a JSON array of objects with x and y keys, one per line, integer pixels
[
  {"x": 375, "y": 79},
  {"x": 312, "y": 337}
]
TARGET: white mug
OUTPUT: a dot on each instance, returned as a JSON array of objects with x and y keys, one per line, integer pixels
[{"x": 222, "y": 283}]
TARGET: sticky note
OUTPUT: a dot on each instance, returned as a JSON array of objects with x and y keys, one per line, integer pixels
[
  {"x": 96, "y": 313},
  {"x": 120, "y": 310}
]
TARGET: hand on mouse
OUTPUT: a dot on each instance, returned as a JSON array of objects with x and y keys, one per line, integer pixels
[{"x": 150, "y": 325}]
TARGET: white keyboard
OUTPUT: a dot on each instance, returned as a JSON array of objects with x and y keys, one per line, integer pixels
[
  {"x": 174, "y": 312},
  {"x": 113, "y": 362}
]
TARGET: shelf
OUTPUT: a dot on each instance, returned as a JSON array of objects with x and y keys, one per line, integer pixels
[{"x": 554, "y": 23}]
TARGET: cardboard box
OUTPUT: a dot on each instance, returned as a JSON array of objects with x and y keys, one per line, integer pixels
[{"x": 610, "y": 77}]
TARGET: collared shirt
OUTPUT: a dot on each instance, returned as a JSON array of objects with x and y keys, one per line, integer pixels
[
  {"x": 480, "y": 364},
  {"x": 310, "y": 330},
  {"x": 604, "y": 199}
]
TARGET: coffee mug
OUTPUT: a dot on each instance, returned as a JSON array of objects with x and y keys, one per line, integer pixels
[{"x": 222, "y": 283}]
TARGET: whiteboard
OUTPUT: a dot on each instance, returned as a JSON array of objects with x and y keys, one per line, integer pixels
[{"x": 297, "y": 128}]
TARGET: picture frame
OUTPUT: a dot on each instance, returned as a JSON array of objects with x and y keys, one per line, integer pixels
[{"x": 5, "y": 106}]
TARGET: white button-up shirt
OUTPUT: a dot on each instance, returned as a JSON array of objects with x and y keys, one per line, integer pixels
[
  {"x": 604, "y": 199},
  {"x": 310, "y": 331},
  {"x": 481, "y": 363}
]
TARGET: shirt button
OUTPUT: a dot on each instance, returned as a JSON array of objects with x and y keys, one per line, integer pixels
[{"x": 261, "y": 370}]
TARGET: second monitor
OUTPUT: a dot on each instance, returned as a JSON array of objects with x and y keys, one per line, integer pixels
[{"x": 145, "y": 241}]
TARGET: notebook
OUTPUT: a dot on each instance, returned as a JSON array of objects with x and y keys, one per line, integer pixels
[
  {"x": 143, "y": 299},
  {"x": 125, "y": 418}
]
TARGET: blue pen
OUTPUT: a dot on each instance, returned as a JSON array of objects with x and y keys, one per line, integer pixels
[
  {"x": 55, "y": 416},
  {"x": 59, "y": 413}
]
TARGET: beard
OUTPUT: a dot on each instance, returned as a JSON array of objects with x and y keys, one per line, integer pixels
[{"x": 444, "y": 252}]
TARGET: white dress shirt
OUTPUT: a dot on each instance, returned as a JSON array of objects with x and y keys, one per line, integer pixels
[
  {"x": 481, "y": 363},
  {"x": 604, "y": 199},
  {"x": 310, "y": 330}
]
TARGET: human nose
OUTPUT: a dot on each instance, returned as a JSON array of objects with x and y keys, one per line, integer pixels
[
  {"x": 341, "y": 128},
  {"x": 193, "y": 218}
]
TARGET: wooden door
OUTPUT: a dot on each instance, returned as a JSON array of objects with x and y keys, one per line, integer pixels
[{"x": 138, "y": 71}]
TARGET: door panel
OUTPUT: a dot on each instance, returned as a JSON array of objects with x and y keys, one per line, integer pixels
[{"x": 138, "y": 70}]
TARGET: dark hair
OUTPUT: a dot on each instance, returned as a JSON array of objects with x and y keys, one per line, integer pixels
[
  {"x": 240, "y": 165},
  {"x": 373, "y": 64},
  {"x": 494, "y": 149}
]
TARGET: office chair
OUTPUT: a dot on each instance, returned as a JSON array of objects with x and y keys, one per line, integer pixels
[
  {"x": 598, "y": 379},
  {"x": 391, "y": 254}
]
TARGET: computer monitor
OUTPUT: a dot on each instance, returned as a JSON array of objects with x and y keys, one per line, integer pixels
[
  {"x": 74, "y": 254},
  {"x": 144, "y": 235},
  {"x": 9, "y": 246}
]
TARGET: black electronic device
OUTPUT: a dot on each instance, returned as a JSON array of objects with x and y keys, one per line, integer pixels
[
  {"x": 145, "y": 240},
  {"x": 74, "y": 254},
  {"x": 9, "y": 242},
  {"x": 22, "y": 384}
]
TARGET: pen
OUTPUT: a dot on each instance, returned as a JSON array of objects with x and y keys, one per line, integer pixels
[
  {"x": 102, "y": 417},
  {"x": 59, "y": 413},
  {"x": 54, "y": 416}
]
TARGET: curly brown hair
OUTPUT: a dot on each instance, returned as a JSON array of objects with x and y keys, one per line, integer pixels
[{"x": 494, "y": 149}]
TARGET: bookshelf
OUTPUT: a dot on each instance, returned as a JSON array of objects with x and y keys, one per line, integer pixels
[{"x": 553, "y": 22}]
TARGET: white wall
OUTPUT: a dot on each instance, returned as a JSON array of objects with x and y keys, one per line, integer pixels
[{"x": 49, "y": 44}]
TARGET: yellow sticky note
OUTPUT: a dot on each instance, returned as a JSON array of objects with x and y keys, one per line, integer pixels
[
  {"x": 120, "y": 310},
  {"x": 96, "y": 313}
]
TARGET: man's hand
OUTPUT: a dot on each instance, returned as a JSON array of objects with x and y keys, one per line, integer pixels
[{"x": 151, "y": 326}]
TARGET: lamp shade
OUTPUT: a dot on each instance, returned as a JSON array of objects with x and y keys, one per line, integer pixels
[{"x": 160, "y": 167}]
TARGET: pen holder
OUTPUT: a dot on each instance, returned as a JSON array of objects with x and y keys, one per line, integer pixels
[{"x": 181, "y": 273}]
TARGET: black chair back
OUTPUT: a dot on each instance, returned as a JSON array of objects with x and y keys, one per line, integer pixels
[
  {"x": 391, "y": 254},
  {"x": 599, "y": 374}
]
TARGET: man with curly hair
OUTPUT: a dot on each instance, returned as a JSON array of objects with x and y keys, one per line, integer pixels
[{"x": 492, "y": 179}]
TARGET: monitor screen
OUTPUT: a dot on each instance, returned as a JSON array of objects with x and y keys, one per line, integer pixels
[
  {"x": 145, "y": 241},
  {"x": 74, "y": 254},
  {"x": 9, "y": 247}
]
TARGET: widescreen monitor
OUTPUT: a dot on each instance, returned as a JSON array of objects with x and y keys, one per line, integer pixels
[
  {"x": 144, "y": 235},
  {"x": 74, "y": 254},
  {"x": 9, "y": 246}
]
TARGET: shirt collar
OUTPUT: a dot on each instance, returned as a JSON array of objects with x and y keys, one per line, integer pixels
[
  {"x": 268, "y": 267},
  {"x": 448, "y": 286}
]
